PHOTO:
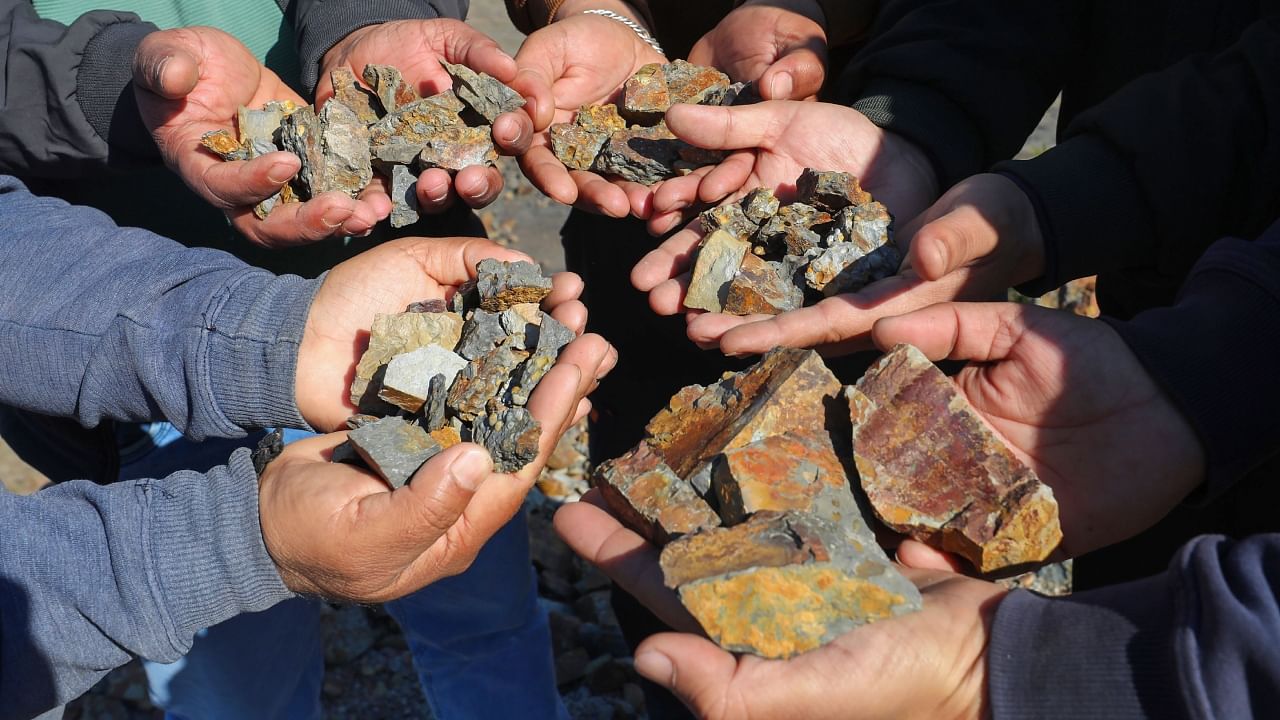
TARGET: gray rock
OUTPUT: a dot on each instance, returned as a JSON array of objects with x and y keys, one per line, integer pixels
[
  {"x": 641, "y": 154},
  {"x": 521, "y": 323},
  {"x": 347, "y": 91},
  {"x": 260, "y": 125},
  {"x": 830, "y": 190},
  {"x": 404, "y": 197},
  {"x": 481, "y": 333},
  {"x": 415, "y": 123},
  {"x": 408, "y": 375},
  {"x": 482, "y": 92},
  {"x": 503, "y": 284},
  {"x": 345, "y": 145},
  {"x": 454, "y": 148},
  {"x": 394, "y": 448},
  {"x": 760, "y": 205},
  {"x": 300, "y": 134},
  {"x": 717, "y": 264},
  {"x": 552, "y": 336},
  {"x": 396, "y": 153},
  {"x": 465, "y": 299},
  {"x": 389, "y": 85},
  {"x": 740, "y": 93},
  {"x": 360, "y": 420},
  {"x": 729, "y": 218},
  {"x": 433, "y": 412},
  {"x": 847, "y": 267},
  {"x": 510, "y": 436},
  {"x": 485, "y": 378}
]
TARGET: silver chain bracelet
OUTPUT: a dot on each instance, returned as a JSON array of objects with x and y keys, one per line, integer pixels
[{"x": 635, "y": 27}]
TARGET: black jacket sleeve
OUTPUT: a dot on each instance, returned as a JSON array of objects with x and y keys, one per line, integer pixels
[
  {"x": 66, "y": 103},
  {"x": 320, "y": 24},
  {"x": 1158, "y": 171},
  {"x": 965, "y": 81}
]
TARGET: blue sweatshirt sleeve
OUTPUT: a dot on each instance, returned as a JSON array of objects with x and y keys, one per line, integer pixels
[
  {"x": 1200, "y": 641},
  {"x": 101, "y": 322},
  {"x": 91, "y": 575}
]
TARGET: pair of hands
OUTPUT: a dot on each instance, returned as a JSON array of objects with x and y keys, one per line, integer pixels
[
  {"x": 1074, "y": 403},
  {"x": 190, "y": 81},
  {"x": 334, "y": 529}
]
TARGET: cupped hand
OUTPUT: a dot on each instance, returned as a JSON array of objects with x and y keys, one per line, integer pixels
[
  {"x": 977, "y": 240},
  {"x": 416, "y": 47},
  {"x": 926, "y": 664},
  {"x": 578, "y": 60},
  {"x": 778, "y": 44},
  {"x": 1074, "y": 403},
  {"x": 336, "y": 530},
  {"x": 191, "y": 81},
  {"x": 385, "y": 279}
]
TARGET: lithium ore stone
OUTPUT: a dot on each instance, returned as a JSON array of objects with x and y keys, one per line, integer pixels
[
  {"x": 454, "y": 148},
  {"x": 408, "y": 376},
  {"x": 760, "y": 205},
  {"x": 347, "y": 91},
  {"x": 847, "y": 267},
  {"x": 399, "y": 333},
  {"x": 481, "y": 333},
  {"x": 552, "y": 337},
  {"x": 830, "y": 191},
  {"x": 404, "y": 197},
  {"x": 390, "y": 87},
  {"x": 575, "y": 146},
  {"x": 503, "y": 284},
  {"x": 651, "y": 498},
  {"x": 333, "y": 148},
  {"x": 484, "y": 378},
  {"x": 415, "y": 123},
  {"x": 642, "y": 154},
  {"x": 717, "y": 264},
  {"x": 511, "y": 437},
  {"x": 394, "y": 448},
  {"x": 433, "y": 412},
  {"x": 222, "y": 144},
  {"x": 933, "y": 468},
  {"x": 645, "y": 96},
  {"x": 482, "y": 92},
  {"x": 761, "y": 288},
  {"x": 729, "y": 218}
]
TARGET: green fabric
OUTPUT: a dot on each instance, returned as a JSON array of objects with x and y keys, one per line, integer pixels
[{"x": 259, "y": 24}]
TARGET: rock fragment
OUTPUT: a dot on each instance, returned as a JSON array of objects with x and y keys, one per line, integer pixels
[
  {"x": 389, "y": 86},
  {"x": 455, "y": 148},
  {"x": 552, "y": 337},
  {"x": 408, "y": 376},
  {"x": 349, "y": 92},
  {"x": 694, "y": 84},
  {"x": 482, "y": 92},
  {"x": 717, "y": 264},
  {"x": 645, "y": 96},
  {"x": 765, "y": 540},
  {"x": 761, "y": 288},
  {"x": 934, "y": 469},
  {"x": 729, "y": 218},
  {"x": 484, "y": 378},
  {"x": 333, "y": 148},
  {"x": 830, "y": 190},
  {"x": 575, "y": 146},
  {"x": 481, "y": 333},
  {"x": 511, "y": 437},
  {"x": 222, "y": 144},
  {"x": 404, "y": 197},
  {"x": 415, "y": 123},
  {"x": 651, "y": 498},
  {"x": 394, "y": 448},
  {"x": 760, "y": 205},
  {"x": 432, "y": 305},
  {"x": 642, "y": 154},
  {"x": 503, "y": 284},
  {"x": 433, "y": 411},
  {"x": 779, "y": 472},
  {"x": 399, "y": 333}
]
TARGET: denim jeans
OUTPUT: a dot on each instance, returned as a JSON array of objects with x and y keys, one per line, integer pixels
[{"x": 480, "y": 641}]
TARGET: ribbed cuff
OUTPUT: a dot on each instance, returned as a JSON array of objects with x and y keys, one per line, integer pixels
[
  {"x": 930, "y": 121},
  {"x": 1105, "y": 653},
  {"x": 104, "y": 88},
  {"x": 1092, "y": 210},
  {"x": 255, "y": 330},
  {"x": 331, "y": 21},
  {"x": 206, "y": 547},
  {"x": 1225, "y": 326}
]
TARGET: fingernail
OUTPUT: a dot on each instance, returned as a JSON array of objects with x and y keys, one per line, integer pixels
[
  {"x": 280, "y": 172},
  {"x": 480, "y": 192},
  {"x": 470, "y": 469},
  {"x": 780, "y": 86},
  {"x": 437, "y": 194},
  {"x": 333, "y": 217},
  {"x": 656, "y": 666}
]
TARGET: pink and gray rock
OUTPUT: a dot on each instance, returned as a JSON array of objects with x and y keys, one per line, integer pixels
[{"x": 651, "y": 498}]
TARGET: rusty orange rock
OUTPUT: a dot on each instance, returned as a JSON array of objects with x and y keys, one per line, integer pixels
[
  {"x": 933, "y": 468},
  {"x": 650, "y": 498},
  {"x": 768, "y": 539},
  {"x": 780, "y": 472}
]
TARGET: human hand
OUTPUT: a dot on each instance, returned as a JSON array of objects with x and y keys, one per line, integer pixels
[
  {"x": 415, "y": 47},
  {"x": 977, "y": 240},
  {"x": 926, "y": 664},
  {"x": 335, "y": 530},
  {"x": 191, "y": 81},
  {"x": 1075, "y": 405},
  {"x": 385, "y": 279},
  {"x": 578, "y": 60},
  {"x": 778, "y": 44}
]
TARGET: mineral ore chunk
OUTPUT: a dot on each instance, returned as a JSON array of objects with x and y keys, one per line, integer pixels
[
  {"x": 934, "y": 469},
  {"x": 600, "y": 119},
  {"x": 399, "y": 333},
  {"x": 642, "y": 154},
  {"x": 390, "y": 87},
  {"x": 717, "y": 264},
  {"x": 759, "y": 288},
  {"x": 650, "y": 498},
  {"x": 484, "y": 378},
  {"x": 415, "y": 123},
  {"x": 729, "y": 218},
  {"x": 408, "y": 376},
  {"x": 760, "y": 205},
  {"x": 433, "y": 411},
  {"x": 510, "y": 436},
  {"x": 575, "y": 146},
  {"x": 645, "y": 96},
  {"x": 768, "y": 539},
  {"x": 521, "y": 323},
  {"x": 454, "y": 148},
  {"x": 694, "y": 84},
  {"x": 482, "y": 92},
  {"x": 481, "y": 333},
  {"x": 394, "y": 448},
  {"x": 842, "y": 275},
  {"x": 333, "y": 148},
  {"x": 222, "y": 144},
  {"x": 503, "y": 284},
  {"x": 830, "y": 191},
  {"x": 347, "y": 91},
  {"x": 552, "y": 337},
  {"x": 404, "y": 197},
  {"x": 262, "y": 126},
  {"x": 779, "y": 472},
  {"x": 431, "y": 305}
]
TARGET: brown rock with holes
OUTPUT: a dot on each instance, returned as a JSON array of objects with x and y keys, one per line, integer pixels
[
  {"x": 650, "y": 498},
  {"x": 934, "y": 469},
  {"x": 789, "y": 390}
]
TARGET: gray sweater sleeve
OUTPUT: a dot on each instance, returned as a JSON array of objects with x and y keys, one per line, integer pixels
[
  {"x": 91, "y": 575},
  {"x": 66, "y": 102},
  {"x": 320, "y": 24},
  {"x": 102, "y": 322}
]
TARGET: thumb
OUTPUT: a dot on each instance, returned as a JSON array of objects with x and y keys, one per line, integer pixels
[
  {"x": 415, "y": 516},
  {"x": 693, "y": 668},
  {"x": 942, "y": 246},
  {"x": 165, "y": 68},
  {"x": 984, "y": 332},
  {"x": 798, "y": 74},
  {"x": 730, "y": 128}
]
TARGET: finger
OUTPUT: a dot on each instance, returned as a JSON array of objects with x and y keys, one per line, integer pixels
[
  {"x": 572, "y": 314},
  {"x": 678, "y": 193},
  {"x": 984, "y": 332},
  {"x": 728, "y": 178},
  {"x": 565, "y": 286},
  {"x": 698, "y": 672},
  {"x": 163, "y": 66},
  {"x": 707, "y": 329},
  {"x": 597, "y": 195},
  {"x": 549, "y": 175},
  {"x": 291, "y": 224},
  {"x": 248, "y": 182},
  {"x": 916, "y": 554},
  {"x": 533, "y": 83},
  {"x": 435, "y": 191},
  {"x": 663, "y": 223},
  {"x": 668, "y": 260},
  {"x": 731, "y": 128},
  {"x": 668, "y": 297},
  {"x": 552, "y": 404},
  {"x": 409, "y": 520},
  {"x": 481, "y": 52},
  {"x": 450, "y": 260},
  {"x": 478, "y": 185},
  {"x": 513, "y": 133},
  {"x": 624, "y": 556},
  {"x": 640, "y": 197},
  {"x": 798, "y": 74},
  {"x": 952, "y": 241}
]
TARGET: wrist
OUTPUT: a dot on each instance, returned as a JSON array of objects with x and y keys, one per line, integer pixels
[{"x": 571, "y": 8}]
